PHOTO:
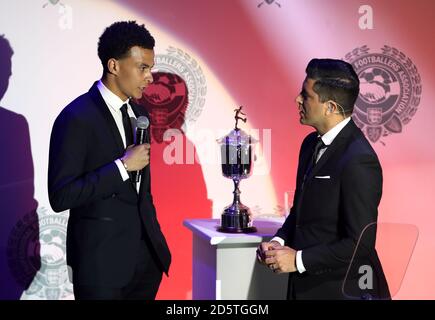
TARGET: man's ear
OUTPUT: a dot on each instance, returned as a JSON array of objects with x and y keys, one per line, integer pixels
[
  {"x": 332, "y": 108},
  {"x": 113, "y": 66},
  {"x": 329, "y": 108}
]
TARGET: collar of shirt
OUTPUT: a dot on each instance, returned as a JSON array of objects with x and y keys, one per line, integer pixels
[
  {"x": 111, "y": 99},
  {"x": 328, "y": 137}
]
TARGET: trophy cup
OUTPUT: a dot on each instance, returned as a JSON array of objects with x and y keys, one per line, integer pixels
[{"x": 237, "y": 158}]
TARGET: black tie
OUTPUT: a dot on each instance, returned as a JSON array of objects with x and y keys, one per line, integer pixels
[
  {"x": 319, "y": 145},
  {"x": 127, "y": 126}
]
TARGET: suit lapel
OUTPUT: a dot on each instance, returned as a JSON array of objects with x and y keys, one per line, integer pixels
[
  {"x": 339, "y": 140},
  {"x": 325, "y": 157},
  {"x": 304, "y": 161},
  {"x": 110, "y": 122},
  {"x": 104, "y": 111}
]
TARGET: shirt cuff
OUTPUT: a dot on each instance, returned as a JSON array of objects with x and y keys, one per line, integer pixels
[
  {"x": 122, "y": 170},
  {"x": 299, "y": 263},
  {"x": 278, "y": 239}
]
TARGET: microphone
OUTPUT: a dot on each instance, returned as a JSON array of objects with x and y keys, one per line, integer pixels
[{"x": 142, "y": 124}]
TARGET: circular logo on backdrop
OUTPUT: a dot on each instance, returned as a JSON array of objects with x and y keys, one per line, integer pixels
[
  {"x": 23, "y": 249},
  {"x": 166, "y": 100},
  {"x": 390, "y": 90},
  {"x": 176, "y": 97},
  {"x": 46, "y": 233}
]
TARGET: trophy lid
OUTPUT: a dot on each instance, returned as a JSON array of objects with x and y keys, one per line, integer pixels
[{"x": 237, "y": 137}]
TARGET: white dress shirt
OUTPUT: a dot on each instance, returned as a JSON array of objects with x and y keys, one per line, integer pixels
[
  {"x": 114, "y": 103},
  {"x": 327, "y": 139}
]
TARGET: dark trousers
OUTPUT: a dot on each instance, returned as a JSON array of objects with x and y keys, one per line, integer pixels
[{"x": 143, "y": 286}]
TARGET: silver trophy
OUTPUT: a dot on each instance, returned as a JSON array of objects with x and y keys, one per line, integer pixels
[{"x": 237, "y": 161}]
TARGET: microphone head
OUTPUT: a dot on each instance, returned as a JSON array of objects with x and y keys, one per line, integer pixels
[{"x": 142, "y": 122}]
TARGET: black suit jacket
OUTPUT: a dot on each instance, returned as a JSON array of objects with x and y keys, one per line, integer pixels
[
  {"x": 330, "y": 215},
  {"x": 106, "y": 213}
]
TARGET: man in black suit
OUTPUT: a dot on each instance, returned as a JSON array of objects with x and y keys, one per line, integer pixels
[
  {"x": 328, "y": 239},
  {"x": 114, "y": 243}
]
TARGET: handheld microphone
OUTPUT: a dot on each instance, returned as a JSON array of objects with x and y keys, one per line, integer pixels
[{"x": 142, "y": 124}]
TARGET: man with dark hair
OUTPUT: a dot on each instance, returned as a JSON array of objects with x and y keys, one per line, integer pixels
[
  {"x": 114, "y": 243},
  {"x": 331, "y": 228}
]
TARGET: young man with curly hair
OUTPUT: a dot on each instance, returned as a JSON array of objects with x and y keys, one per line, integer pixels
[{"x": 114, "y": 243}]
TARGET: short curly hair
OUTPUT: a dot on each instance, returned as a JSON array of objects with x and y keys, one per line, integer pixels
[{"x": 118, "y": 38}]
